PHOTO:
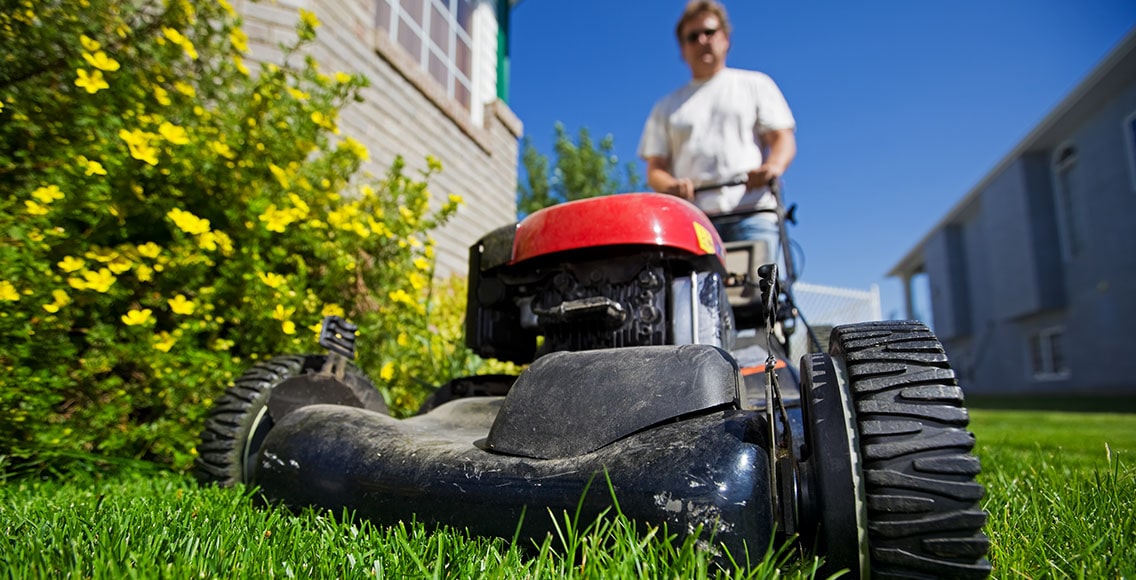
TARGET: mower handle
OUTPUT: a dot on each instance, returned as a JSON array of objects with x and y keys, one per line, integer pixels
[{"x": 789, "y": 214}]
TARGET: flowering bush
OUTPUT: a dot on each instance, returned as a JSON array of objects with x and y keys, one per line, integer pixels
[{"x": 170, "y": 217}]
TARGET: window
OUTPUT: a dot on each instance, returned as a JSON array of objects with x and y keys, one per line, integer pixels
[
  {"x": 1065, "y": 188},
  {"x": 1130, "y": 146},
  {"x": 1047, "y": 356},
  {"x": 438, "y": 35}
]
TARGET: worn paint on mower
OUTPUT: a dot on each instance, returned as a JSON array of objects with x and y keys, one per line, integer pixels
[{"x": 638, "y": 389}]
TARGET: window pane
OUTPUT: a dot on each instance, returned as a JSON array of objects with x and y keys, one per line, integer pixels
[
  {"x": 1037, "y": 362},
  {"x": 409, "y": 40},
  {"x": 463, "y": 58},
  {"x": 413, "y": 8},
  {"x": 465, "y": 14},
  {"x": 439, "y": 29},
  {"x": 1057, "y": 352},
  {"x": 438, "y": 69},
  {"x": 383, "y": 15},
  {"x": 461, "y": 94}
]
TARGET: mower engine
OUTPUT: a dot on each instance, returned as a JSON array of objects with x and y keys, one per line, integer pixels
[{"x": 652, "y": 289}]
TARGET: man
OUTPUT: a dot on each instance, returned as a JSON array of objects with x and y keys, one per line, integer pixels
[{"x": 725, "y": 125}]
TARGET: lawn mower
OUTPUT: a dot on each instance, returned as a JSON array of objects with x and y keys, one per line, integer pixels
[{"x": 656, "y": 378}]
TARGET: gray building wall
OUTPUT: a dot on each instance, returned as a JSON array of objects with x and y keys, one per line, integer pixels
[
  {"x": 1000, "y": 273},
  {"x": 406, "y": 112}
]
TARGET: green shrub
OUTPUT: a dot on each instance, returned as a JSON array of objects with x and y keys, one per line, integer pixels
[{"x": 169, "y": 218}]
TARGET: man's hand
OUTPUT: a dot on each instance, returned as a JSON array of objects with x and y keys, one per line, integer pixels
[
  {"x": 763, "y": 176},
  {"x": 683, "y": 188},
  {"x": 660, "y": 179}
]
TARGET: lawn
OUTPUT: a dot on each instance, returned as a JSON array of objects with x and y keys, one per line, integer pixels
[{"x": 1061, "y": 492}]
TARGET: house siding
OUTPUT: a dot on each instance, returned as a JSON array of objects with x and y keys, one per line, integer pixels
[{"x": 406, "y": 113}]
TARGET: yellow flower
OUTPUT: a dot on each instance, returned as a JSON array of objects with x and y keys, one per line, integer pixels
[
  {"x": 162, "y": 96},
  {"x": 325, "y": 121},
  {"x": 188, "y": 222},
  {"x": 309, "y": 18},
  {"x": 456, "y": 199},
  {"x": 342, "y": 77},
  {"x": 356, "y": 148},
  {"x": 288, "y": 327},
  {"x": 422, "y": 264},
  {"x": 281, "y": 313},
  {"x": 149, "y": 250},
  {"x": 333, "y": 310},
  {"x": 120, "y": 265},
  {"x": 139, "y": 143},
  {"x": 144, "y": 273},
  {"x": 387, "y": 372},
  {"x": 276, "y": 220},
  {"x": 70, "y": 264},
  {"x": 61, "y": 300},
  {"x": 280, "y": 175},
  {"x": 417, "y": 281},
  {"x": 91, "y": 167},
  {"x": 47, "y": 193},
  {"x": 8, "y": 292},
  {"x": 35, "y": 208},
  {"x": 240, "y": 64},
  {"x": 173, "y": 133},
  {"x": 222, "y": 149},
  {"x": 93, "y": 82},
  {"x": 100, "y": 281},
  {"x": 239, "y": 40},
  {"x": 101, "y": 61},
  {"x": 180, "y": 40},
  {"x": 271, "y": 279},
  {"x": 103, "y": 255},
  {"x": 403, "y": 339},
  {"x": 164, "y": 341},
  {"x": 185, "y": 89},
  {"x": 180, "y": 305},
  {"x": 89, "y": 43},
  {"x": 135, "y": 317}
]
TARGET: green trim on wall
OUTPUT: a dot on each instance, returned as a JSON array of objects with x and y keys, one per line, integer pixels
[{"x": 503, "y": 50}]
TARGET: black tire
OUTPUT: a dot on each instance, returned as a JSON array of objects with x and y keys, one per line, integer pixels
[
  {"x": 238, "y": 421},
  {"x": 918, "y": 473}
]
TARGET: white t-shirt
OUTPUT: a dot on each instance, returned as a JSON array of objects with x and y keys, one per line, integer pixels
[{"x": 709, "y": 131}]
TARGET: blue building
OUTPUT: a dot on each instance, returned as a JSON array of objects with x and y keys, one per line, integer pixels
[{"x": 1032, "y": 275}]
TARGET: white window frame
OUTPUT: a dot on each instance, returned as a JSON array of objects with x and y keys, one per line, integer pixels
[
  {"x": 1046, "y": 338},
  {"x": 1128, "y": 129},
  {"x": 448, "y": 9},
  {"x": 1072, "y": 238}
]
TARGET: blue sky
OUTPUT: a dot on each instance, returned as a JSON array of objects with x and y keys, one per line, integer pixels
[{"x": 902, "y": 106}]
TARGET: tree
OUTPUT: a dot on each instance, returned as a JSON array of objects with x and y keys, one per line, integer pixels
[{"x": 583, "y": 169}]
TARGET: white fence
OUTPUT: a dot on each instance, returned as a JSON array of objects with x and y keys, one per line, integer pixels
[{"x": 827, "y": 306}]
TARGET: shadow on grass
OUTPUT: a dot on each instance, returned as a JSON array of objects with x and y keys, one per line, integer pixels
[{"x": 1070, "y": 403}]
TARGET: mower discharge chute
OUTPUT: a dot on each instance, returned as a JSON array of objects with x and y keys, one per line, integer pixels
[{"x": 636, "y": 388}]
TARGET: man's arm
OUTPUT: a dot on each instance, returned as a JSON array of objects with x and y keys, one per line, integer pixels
[
  {"x": 781, "y": 148},
  {"x": 660, "y": 179}
]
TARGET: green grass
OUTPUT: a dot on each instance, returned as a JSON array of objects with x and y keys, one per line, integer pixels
[
  {"x": 147, "y": 526},
  {"x": 1061, "y": 492}
]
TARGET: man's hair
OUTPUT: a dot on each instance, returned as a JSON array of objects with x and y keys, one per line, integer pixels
[{"x": 696, "y": 7}]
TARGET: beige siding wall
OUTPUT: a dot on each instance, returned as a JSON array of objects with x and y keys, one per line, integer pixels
[{"x": 406, "y": 112}]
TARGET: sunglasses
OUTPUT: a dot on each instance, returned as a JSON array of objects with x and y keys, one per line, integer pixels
[{"x": 696, "y": 35}]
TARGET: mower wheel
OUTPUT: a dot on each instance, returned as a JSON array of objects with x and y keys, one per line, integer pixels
[
  {"x": 239, "y": 420},
  {"x": 918, "y": 475}
]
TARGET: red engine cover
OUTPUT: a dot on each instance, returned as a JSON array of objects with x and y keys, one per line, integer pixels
[{"x": 615, "y": 220}]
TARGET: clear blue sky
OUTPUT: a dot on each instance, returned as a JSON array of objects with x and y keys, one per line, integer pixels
[{"x": 902, "y": 106}]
